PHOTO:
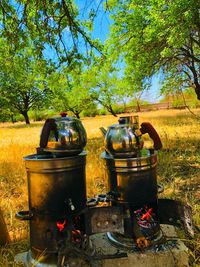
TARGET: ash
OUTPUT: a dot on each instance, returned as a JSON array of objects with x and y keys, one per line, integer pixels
[{"x": 166, "y": 246}]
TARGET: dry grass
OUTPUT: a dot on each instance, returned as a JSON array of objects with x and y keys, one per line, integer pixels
[{"x": 178, "y": 167}]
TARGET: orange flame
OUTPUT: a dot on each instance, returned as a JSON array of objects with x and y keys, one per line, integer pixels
[
  {"x": 147, "y": 215},
  {"x": 61, "y": 225}
]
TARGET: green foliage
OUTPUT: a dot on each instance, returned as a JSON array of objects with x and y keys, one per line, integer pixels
[
  {"x": 6, "y": 115},
  {"x": 103, "y": 111},
  {"x": 70, "y": 90},
  {"x": 41, "y": 114},
  {"x": 178, "y": 103},
  {"x": 41, "y": 39},
  {"x": 106, "y": 85},
  {"x": 91, "y": 111},
  {"x": 147, "y": 37},
  {"x": 179, "y": 98},
  {"x": 22, "y": 81},
  {"x": 118, "y": 108},
  {"x": 158, "y": 36},
  {"x": 53, "y": 25}
]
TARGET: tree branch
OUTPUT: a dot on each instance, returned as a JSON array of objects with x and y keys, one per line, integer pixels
[
  {"x": 190, "y": 55},
  {"x": 77, "y": 27}
]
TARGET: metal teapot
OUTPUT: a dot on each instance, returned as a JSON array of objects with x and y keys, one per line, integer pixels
[
  {"x": 125, "y": 139},
  {"x": 63, "y": 135}
]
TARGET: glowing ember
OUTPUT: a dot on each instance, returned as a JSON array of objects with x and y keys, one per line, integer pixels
[
  {"x": 147, "y": 216},
  {"x": 76, "y": 236},
  {"x": 61, "y": 225}
]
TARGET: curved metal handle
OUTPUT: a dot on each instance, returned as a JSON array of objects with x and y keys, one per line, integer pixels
[
  {"x": 49, "y": 125},
  {"x": 24, "y": 215},
  {"x": 146, "y": 127}
]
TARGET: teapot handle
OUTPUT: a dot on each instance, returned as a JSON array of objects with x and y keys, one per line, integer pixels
[
  {"x": 146, "y": 127},
  {"x": 49, "y": 125}
]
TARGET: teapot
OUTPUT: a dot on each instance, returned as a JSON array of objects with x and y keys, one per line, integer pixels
[
  {"x": 125, "y": 139},
  {"x": 63, "y": 135}
]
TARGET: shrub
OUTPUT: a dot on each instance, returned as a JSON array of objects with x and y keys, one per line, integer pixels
[
  {"x": 178, "y": 103},
  {"x": 102, "y": 111},
  {"x": 91, "y": 111},
  {"x": 40, "y": 115},
  {"x": 118, "y": 108}
]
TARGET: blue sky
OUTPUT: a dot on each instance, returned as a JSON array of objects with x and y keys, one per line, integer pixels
[
  {"x": 102, "y": 21},
  {"x": 153, "y": 94}
]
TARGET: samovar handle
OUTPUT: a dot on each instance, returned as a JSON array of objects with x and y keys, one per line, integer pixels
[
  {"x": 146, "y": 127},
  {"x": 49, "y": 125}
]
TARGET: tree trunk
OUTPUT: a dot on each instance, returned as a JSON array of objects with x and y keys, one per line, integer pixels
[
  {"x": 197, "y": 90},
  {"x": 4, "y": 236},
  {"x": 196, "y": 84},
  {"x": 12, "y": 118},
  {"x": 77, "y": 115},
  {"x": 26, "y": 117},
  {"x": 124, "y": 105},
  {"x": 110, "y": 109},
  {"x": 138, "y": 106}
]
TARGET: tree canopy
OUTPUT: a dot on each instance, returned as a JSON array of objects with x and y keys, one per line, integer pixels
[
  {"x": 51, "y": 25},
  {"x": 69, "y": 89},
  {"x": 22, "y": 81},
  {"x": 40, "y": 39},
  {"x": 47, "y": 49},
  {"x": 159, "y": 36}
]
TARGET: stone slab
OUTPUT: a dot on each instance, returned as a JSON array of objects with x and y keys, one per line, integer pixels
[{"x": 169, "y": 256}]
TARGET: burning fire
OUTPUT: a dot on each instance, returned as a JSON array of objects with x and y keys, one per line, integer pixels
[
  {"x": 146, "y": 218},
  {"x": 148, "y": 215},
  {"x": 61, "y": 225}
]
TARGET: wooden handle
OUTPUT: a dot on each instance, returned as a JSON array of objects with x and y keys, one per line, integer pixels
[
  {"x": 48, "y": 126},
  {"x": 146, "y": 127}
]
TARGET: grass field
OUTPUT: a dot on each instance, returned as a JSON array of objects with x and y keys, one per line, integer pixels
[{"x": 178, "y": 168}]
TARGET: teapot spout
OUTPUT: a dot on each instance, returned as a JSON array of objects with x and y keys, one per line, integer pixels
[{"x": 103, "y": 130}]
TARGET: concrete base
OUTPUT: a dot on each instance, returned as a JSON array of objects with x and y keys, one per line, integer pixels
[
  {"x": 27, "y": 261},
  {"x": 171, "y": 253}
]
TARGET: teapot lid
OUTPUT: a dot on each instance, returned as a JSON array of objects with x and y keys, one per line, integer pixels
[
  {"x": 64, "y": 117},
  {"x": 63, "y": 114},
  {"x": 129, "y": 120},
  {"x": 126, "y": 121}
]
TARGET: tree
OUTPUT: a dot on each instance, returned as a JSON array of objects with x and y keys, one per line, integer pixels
[
  {"x": 7, "y": 112},
  {"x": 104, "y": 83},
  {"x": 54, "y": 32},
  {"x": 69, "y": 90},
  {"x": 22, "y": 81},
  {"x": 159, "y": 36}
]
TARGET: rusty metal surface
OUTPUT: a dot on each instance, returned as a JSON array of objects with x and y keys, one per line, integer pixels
[
  {"x": 176, "y": 213},
  {"x": 100, "y": 219},
  {"x": 56, "y": 185},
  {"x": 134, "y": 164},
  {"x": 136, "y": 188},
  {"x": 134, "y": 179}
]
